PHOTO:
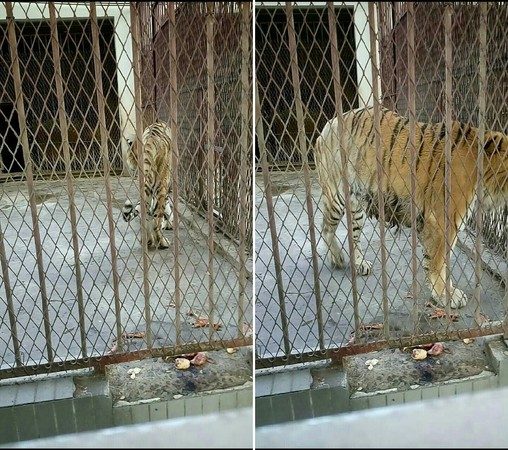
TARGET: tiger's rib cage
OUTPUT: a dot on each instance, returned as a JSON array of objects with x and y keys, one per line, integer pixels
[
  {"x": 430, "y": 140},
  {"x": 346, "y": 150}
]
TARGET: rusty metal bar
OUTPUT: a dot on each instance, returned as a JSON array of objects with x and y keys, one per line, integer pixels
[
  {"x": 175, "y": 163},
  {"x": 271, "y": 222},
  {"x": 337, "y": 87},
  {"x": 210, "y": 138},
  {"x": 412, "y": 149},
  {"x": 482, "y": 89},
  {"x": 107, "y": 169},
  {"x": 302, "y": 141},
  {"x": 379, "y": 162},
  {"x": 62, "y": 117},
  {"x": 141, "y": 176},
  {"x": 68, "y": 173},
  {"x": 99, "y": 362},
  {"x": 16, "y": 74},
  {"x": 245, "y": 157},
  {"x": 448, "y": 146},
  {"x": 10, "y": 304},
  {"x": 336, "y": 354}
]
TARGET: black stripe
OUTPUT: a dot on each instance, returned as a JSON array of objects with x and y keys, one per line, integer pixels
[
  {"x": 396, "y": 131},
  {"x": 488, "y": 144},
  {"x": 468, "y": 132},
  {"x": 365, "y": 118},
  {"x": 432, "y": 157},
  {"x": 442, "y": 131},
  {"x": 354, "y": 124},
  {"x": 405, "y": 148},
  {"x": 460, "y": 134},
  {"x": 368, "y": 135},
  {"x": 423, "y": 129}
]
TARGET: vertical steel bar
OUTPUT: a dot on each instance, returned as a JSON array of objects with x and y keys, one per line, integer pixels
[
  {"x": 302, "y": 141},
  {"x": 136, "y": 54},
  {"x": 107, "y": 169},
  {"x": 245, "y": 157},
  {"x": 271, "y": 222},
  {"x": 413, "y": 153},
  {"x": 173, "y": 99},
  {"x": 10, "y": 304},
  {"x": 210, "y": 137},
  {"x": 448, "y": 146},
  {"x": 482, "y": 89},
  {"x": 62, "y": 118},
  {"x": 337, "y": 87},
  {"x": 18, "y": 90},
  {"x": 380, "y": 170}
]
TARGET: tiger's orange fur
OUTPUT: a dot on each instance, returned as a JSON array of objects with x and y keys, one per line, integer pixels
[
  {"x": 156, "y": 165},
  {"x": 358, "y": 140}
]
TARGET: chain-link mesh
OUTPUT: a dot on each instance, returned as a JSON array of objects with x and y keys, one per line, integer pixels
[
  {"x": 439, "y": 62},
  {"x": 78, "y": 285}
]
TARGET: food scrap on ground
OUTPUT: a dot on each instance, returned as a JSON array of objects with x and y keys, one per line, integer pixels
[{"x": 439, "y": 313}]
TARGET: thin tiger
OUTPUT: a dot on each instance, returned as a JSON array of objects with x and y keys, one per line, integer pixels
[
  {"x": 361, "y": 172},
  {"x": 156, "y": 152}
]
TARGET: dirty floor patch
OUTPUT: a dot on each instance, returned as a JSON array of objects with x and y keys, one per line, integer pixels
[
  {"x": 159, "y": 378},
  {"x": 395, "y": 368}
]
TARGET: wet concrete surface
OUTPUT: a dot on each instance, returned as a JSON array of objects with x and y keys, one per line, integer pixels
[{"x": 159, "y": 378}]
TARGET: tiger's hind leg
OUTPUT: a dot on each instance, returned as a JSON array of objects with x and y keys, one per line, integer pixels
[
  {"x": 160, "y": 240},
  {"x": 167, "y": 221}
]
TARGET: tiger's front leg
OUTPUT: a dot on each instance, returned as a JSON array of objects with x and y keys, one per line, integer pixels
[
  {"x": 362, "y": 266},
  {"x": 167, "y": 222},
  {"x": 434, "y": 244}
]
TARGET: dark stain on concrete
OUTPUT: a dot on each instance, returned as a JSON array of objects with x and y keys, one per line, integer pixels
[
  {"x": 397, "y": 369},
  {"x": 159, "y": 378}
]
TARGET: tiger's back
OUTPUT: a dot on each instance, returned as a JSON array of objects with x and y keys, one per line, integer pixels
[{"x": 361, "y": 169}]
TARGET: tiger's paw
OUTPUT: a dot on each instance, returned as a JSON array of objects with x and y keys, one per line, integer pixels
[
  {"x": 159, "y": 242},
  {"x": 127, "y": 211},
  {"x": 167, "y": 225},
  {"x": 457, "y": 299},
  {"x": 163, "y": 244},
  {"x": 363, "y": 267},
  {"x": 336, "y": 259}
]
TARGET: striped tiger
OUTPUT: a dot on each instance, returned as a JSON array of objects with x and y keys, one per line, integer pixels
[
  {"x": 358, "y": 141},
  {"x": 156, "y": 142}
]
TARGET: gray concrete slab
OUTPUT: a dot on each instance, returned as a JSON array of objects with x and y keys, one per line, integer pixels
[
  {"x": 397, "y": 369},
  {"x": 90, "y": 329},
  {"x": 159, "y": 378}
]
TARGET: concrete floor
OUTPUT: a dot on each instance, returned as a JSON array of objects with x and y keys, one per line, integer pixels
[
  {"x": 103, "y": 313},
  {"x": 337, "y": 310}
]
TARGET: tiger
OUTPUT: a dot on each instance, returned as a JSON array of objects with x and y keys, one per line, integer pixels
[
  {"x": 358, "y": 142},
  {"x": 156, "y": 141}
]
